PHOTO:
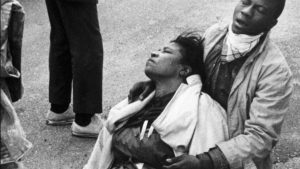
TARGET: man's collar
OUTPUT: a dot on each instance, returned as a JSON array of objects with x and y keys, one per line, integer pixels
[{"x": 264, "y": 40}]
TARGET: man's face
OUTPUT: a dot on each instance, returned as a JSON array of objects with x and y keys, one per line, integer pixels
[
  {"x": 253, "y": 17},
  {"x": 164, "y": 63}
]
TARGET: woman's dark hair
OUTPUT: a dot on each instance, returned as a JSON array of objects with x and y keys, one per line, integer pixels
[{"x": 191, "y": 43}]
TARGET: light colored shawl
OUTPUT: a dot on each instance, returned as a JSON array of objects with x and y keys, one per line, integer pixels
[{"x": 191, "y": 119}]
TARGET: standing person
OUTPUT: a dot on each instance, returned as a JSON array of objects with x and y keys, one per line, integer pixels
[
  {"x": 76, "y": 58},
  {"x": 13, "y": 140},
  {"x": 248, "y": 75}
]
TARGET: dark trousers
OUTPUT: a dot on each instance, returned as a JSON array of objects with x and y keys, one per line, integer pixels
[{"x": 76, "y": 55}]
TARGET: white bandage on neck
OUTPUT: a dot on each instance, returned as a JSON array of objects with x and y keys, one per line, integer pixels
[{"x": 240, "y": 43}]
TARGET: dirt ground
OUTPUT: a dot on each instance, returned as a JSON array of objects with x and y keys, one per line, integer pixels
[{"x": 130, "y": 30}]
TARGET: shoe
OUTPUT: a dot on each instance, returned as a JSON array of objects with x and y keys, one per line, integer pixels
[
  {"x": 64, "y": 118},
  {"x": 90, "y": 131}
]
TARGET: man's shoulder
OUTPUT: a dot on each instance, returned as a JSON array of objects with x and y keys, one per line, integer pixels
[
  {"x": 274, "y": 55},
  {"x": 212, "y": 36},
  {"x": 274, "y": 58},
  {"x": 216, "y": 29}
]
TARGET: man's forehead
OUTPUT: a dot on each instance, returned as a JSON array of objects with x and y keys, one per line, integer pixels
[
  {"x": 265, "y": 3},
  {"x": 270, "y": 5}
]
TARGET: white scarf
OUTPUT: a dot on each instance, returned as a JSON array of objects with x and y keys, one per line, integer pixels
[{"x": 239, "y": 44}]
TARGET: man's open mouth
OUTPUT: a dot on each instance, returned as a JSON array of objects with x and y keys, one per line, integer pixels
[{"x": 240, "y": 23}]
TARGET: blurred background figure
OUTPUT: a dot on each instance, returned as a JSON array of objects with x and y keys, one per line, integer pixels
[{"x": 13, "y": 141}]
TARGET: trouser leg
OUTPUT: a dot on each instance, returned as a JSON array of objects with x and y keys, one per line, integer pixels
[
  {"x": 60, "y": 61},
  {"x": 12, "y": 165},
  {"x": 80, "y": 21}
]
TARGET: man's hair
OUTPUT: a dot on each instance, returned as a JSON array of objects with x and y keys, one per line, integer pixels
[
  {"x": 192, "y": 51},
  {"x": 279, "y": 8}
]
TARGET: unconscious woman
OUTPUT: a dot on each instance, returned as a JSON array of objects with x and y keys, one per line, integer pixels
[{"x": 177, "y": 118}]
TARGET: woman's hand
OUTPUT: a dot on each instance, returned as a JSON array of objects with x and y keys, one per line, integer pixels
[{"x": 140, "y": 90}]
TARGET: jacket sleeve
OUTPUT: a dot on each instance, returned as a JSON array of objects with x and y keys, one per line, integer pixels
[{"x": 266, "y": 114}]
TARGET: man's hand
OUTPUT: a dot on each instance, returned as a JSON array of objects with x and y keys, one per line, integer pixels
[
  {"x": 183, "y": 162},
  {"x": 140, "y": 90},
  {"x": 201, "y": 161}
]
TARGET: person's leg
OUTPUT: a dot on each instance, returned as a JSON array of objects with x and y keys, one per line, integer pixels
[
  {"x": 85, "y": 42},
  {"x": 9, "y": 166},
  {"x": 60, "y": 68}
]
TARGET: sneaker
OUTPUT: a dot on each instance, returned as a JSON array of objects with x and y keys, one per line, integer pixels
[
  {"x": 91, "y": 131},
  {"x": 64, "y": 118}
]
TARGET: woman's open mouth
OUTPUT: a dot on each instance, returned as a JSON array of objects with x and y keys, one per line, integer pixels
[{"x": 150, "y": 60}]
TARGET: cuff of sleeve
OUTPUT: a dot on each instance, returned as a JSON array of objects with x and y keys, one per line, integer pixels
[
  {"x": 205, "y": 161},
  {"x": 229, "y": 150},
  {"x": 218, "y": 158}
]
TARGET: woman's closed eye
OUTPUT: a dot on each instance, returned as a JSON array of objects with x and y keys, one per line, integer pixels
[
  {"x": 246, "y": 2},
  {"x": 167, "y": 50}
]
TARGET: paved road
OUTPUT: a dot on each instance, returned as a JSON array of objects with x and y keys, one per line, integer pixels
[{"x": 131, "y": 29}]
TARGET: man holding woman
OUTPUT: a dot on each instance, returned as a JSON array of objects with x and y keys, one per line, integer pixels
[
  {"x": 247, "y": 74},
  {"x": 250, "y": 78}
]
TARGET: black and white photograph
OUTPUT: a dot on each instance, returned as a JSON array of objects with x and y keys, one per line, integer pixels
[{"x": 150, "y": 84}]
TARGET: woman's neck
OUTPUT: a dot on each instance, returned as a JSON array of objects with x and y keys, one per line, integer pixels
[{"x": 166, "y": 86}]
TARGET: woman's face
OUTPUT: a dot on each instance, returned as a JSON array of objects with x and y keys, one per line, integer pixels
[{"x": 165, "y": 63}]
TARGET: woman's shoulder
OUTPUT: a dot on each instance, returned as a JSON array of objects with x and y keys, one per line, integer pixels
[{"x": 209, "y": 104}]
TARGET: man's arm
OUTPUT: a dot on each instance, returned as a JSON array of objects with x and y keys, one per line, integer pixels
[
  {"x": 261, "y": 132},
  {"x": 267, "y": 111}
]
